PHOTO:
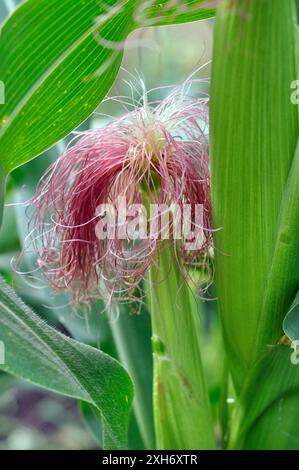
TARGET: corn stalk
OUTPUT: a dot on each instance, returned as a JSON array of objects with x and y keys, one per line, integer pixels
[{"x": 254, "y": 132}]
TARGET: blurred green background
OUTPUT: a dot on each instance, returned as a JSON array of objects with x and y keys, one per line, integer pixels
[{"x": 31, "y": 418}]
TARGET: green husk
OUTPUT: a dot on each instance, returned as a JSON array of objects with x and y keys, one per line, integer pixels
[
  {"x": 252, "y": 149},
  {"x": 181, "y": 405},
  {"x": 283, "y": 277},
  {"x": 267, "y": 413}
]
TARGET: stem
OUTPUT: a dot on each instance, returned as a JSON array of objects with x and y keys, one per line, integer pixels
[
  {"x": 131, "y": 342},
  {"x": 181, "y": 405}
]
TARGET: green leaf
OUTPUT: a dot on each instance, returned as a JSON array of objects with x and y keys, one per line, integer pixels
[
  {"x": 291, "y": 321},
  {"x": 56, "y": 69},
  {"x": 40, "y": 354},
  {"x": 132, "y": 335},
  {"x": 283, "y": 276},
  {"x": 267, "y": 413},
  {"x": 252, "y": 148},
  {"x": 161, "y": 12}
]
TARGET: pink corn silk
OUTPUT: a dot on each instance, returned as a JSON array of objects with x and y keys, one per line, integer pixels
[{"x": 161, "y": 150}]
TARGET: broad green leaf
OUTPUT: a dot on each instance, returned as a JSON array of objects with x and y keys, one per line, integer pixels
[
  {"x": 9, "y": 241},
  {"x": 291, "y": 321},
  {"x": 90, "y": 418},
  {"x": 267, "y": 412},
  {"x": 40, "y": 354},
  {"x": 59, "y": 59},
  {"x": 252, "y": 148},
  {"x": 126, "y": 338}
]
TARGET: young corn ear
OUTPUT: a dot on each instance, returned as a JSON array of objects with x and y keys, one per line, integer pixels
[{"x": 182, "y": 411}]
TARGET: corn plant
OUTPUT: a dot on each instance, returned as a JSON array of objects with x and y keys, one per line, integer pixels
[{"x": 235, "y": 154}]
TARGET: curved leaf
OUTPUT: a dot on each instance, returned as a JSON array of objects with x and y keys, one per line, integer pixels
[
  {"x": 57, "y": 61},
  {"x": 40, "y": 354}
]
